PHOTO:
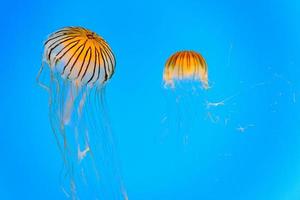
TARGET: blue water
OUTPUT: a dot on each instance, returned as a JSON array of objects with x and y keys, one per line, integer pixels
[{"x": 252, "y": 50}]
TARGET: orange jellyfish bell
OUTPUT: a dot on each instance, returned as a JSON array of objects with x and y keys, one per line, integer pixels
[
  {"x": 185, "y": 65},
  {"x": 79, "y": 55}
]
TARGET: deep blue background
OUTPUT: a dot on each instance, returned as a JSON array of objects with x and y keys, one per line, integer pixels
[{"x": 250, "y": 47}]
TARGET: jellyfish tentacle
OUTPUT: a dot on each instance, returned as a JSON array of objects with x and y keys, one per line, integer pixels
[{"x": 38, "y": 78}]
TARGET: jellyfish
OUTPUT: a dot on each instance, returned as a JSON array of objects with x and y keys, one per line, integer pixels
[
  {"x": 78, "y": 64},
  {"x": 185, "y": 65},
  {"x": 185, "y": 76}
]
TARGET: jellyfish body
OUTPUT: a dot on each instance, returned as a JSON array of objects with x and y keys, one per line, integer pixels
[
  {"x": 80, "y": 55},
  {"x": 183, "y": 72},
  {"x": 80, "y": 63},
  {"x": 185, "y": 65}
]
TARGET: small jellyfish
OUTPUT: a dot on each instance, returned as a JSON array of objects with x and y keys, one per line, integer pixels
[
  {"x": 185, "y": 65},
  {"x": 183, "y": 72},
  {"x": 80, "y": 63}
]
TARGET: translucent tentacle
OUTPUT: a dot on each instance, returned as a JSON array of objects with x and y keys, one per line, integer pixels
[{"x": 38, "y": 78}]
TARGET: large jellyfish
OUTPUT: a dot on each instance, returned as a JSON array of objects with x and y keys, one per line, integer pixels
[
  {"x": 185, "y": 74},
  {"x": 79, "y": 64}
]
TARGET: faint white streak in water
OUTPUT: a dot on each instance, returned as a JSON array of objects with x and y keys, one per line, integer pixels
[
  {"x": 220, "y": 103},
  {"x": 65, "y": 192},
  {"x": 186, "y": 140},
  {"x": 163, "y": 120},
  {"x": 73, "y": 188},
  {"x": 214, "y": 104},
  {"x": 242, "y": 129},
  {"x": 213, "y": 119}
]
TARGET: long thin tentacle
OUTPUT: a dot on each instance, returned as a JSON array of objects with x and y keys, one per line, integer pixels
[{"x": 38, "y": 78}]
